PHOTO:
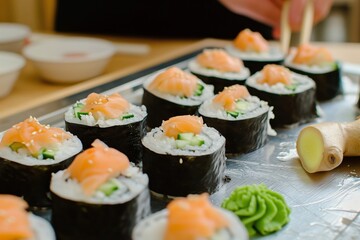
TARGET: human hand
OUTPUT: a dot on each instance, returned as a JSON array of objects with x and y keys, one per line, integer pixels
[{"x": 269, "y": 11}]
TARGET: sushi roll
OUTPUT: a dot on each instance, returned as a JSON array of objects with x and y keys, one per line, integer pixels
[
  {"x": 173, "y": 92},
  {"x": 292, "y": 95},
  {"x": 241, "y": 118},
  {"x": 191, "y": 218},
  {"x": 218, "y": 68},
  {"x": 17, "y": 223},
  {"x": 112, "y": 119},
  {"x": 29, "y": 153},
  {"x": 254, "y": 50},
  {"x": 318, "y": 64},
  {"x": 99, "y": 196},
  {"x": 183, "y": 157}
]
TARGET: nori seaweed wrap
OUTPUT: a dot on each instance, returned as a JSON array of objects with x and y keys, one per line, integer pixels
[
  {"x": 26, "y": 175},
  {"x": 190, "y": 164},
  {"x": 163, "y": 100},
  {"x": 218, "y": 68},
  {"x": 123, "y": 132},
  {"x": 294, "y": 103}
]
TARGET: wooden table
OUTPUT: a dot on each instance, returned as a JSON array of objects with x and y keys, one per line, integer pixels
[{"x": 32, "y": 91}]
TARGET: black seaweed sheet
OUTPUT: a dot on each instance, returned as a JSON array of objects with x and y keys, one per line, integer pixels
[
  {"x": 219, "y": 83},
  {"x": 242, "y": 136},
  {"x": 289, "y": 108},
  {"x": 160, "y": 109},
  {"x": 256, "y": 66},
  {"x": 172, "y": 175},
  {"x": 328, "y": 85},
  {"x": 125, "y": 138},
  {"x": 31, "y": 182},
  {"x": 78, "y": 220}
]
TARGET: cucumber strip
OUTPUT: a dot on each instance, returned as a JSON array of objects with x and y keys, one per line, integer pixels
[
  {"x": 78, "y": 110},
  {"x": 291, "y": 87},
  {"x": 185, "y": 139},
  {"x": 199, "y": 90},
  {"x": 185, "y": 136},
  {"x": 181, "y": 144},
  {"x": 48, "y": 154},
  {"x": 233, "y": 113},
  {"x": 109, "y": 187},
  {"x": 242, "y": 105},
  {"x": 16, "y": 146},
  {"x": 79, "y": 114},
  {"x": 197, "y": 141},
  {"x": 127, "y": 116}
]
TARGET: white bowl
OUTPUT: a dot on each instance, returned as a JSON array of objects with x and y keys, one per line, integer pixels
[
  {"x": 10, "y": 66},
  {"x": 68, "y": 60},
  {"x": 12, "y": 36}
]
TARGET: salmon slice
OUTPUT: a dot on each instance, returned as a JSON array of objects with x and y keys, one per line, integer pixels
[
  {"x": 228, "y": 97},
  {"x": 218, "y": 59},
  {"x": 14, "y": 220},
  {"x": 176, "y": 82},
  {"x": 103, "y": 106},
  {"x": 311, "y": 55},
  {"x": 34, "y": 136},
  {"x": 249, "y": 41},
  {"x": 182, "y": 124},
  {"x": 273, "y": 74},
  {"x": 193, "y": 218},
  {"x": 97, "y": 165}
]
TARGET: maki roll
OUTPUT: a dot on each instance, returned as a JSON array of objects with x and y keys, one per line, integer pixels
[
  {"x": 173, "y": 92},
  {"x": 184, "y": 156},
  {"x": 191, "y": 218},
  {"x": 318, "y": 64},
  {"x": 254, "y": 50},
  {"x": 112, "y": 119},
  {"x": 29, "y": 153},
  {"x": 292, "y": 95},
  {"x": 217, "y": 67},
  {"x": 17, "y": 223},
  {"x": 100, "y": 196},
  {"x": 241, "y": 118}
]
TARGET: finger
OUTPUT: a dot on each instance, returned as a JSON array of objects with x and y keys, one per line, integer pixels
[
  {"x": 322, "y": 9},
  {"x": 296, "y": 12}
]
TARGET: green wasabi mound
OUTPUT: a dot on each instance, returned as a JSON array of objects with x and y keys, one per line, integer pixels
[{"x": 260, "y": 209}]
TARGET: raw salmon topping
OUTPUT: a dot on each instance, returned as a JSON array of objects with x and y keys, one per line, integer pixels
[
  {"x": 14, "y": 220},
  {"x": 273, "y": 74},
  {"x": 103, "y": 106},
  {"x": 249, "y": 41},
  {"x": 176, "y": 82},
  {"x": 34, "y": 137},
  {"x": 228, "y": 97},
  {"x": 182, "y": 124},
  {"x": 193, "y": 218},
  {"x": 311, "y": 55},
  {"x": 218, "y": 59},
  {"x": 96, "y": 165}
]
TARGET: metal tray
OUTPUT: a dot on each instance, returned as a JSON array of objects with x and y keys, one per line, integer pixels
[{"x": 323, "y": 205}]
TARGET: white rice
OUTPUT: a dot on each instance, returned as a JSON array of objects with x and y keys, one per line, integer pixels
[
  {"x": 274, "y": 54},
  {"x": 133, "y": 181},
  {"x": 213, "y": 110},
  {"x": 42, "y": 228},
  {"x": 304, "y": 83},
  {"x": 195, "y": 67},
  {"x": 89, "y": 120},
  {"x": 190, "y": 101},
  {"x": 315, "y": 69},
  {"x": 66, "y": 149},
  {"x": 154, "y": 227},
  {"x": 156, "y": 141}
]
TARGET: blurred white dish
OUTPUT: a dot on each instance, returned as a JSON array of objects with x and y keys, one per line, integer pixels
[
  {"x": 67, "y": 60},
  {"x": 10, "y": 66},
  {"x": 12, "y": 36}
]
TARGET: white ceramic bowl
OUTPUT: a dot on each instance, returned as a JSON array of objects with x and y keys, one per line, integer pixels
[
  {"x": 10, "y": 66},
  {"x": 68, "y": 60},
  {"x": 12, "y": 36}
]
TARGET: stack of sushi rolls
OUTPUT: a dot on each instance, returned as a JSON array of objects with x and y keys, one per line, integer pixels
[
  {"x": 191, "y": 218},
  {"x": 254, "y": 50},
  {"x": 217, "y": 67},
  {"x": 318, "y": 64},
  {"x": 241, "y": 118},
  {"x": 292, "y": 95},
  {"x": 110, "y": 118},
  {"x": 29, "y": 153},
  {"x": 17, "y": 223},
  {"x": 173, "y": 92},
  {"x": 99, "y": 196},
  {"x": 183, "y": 157}
]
